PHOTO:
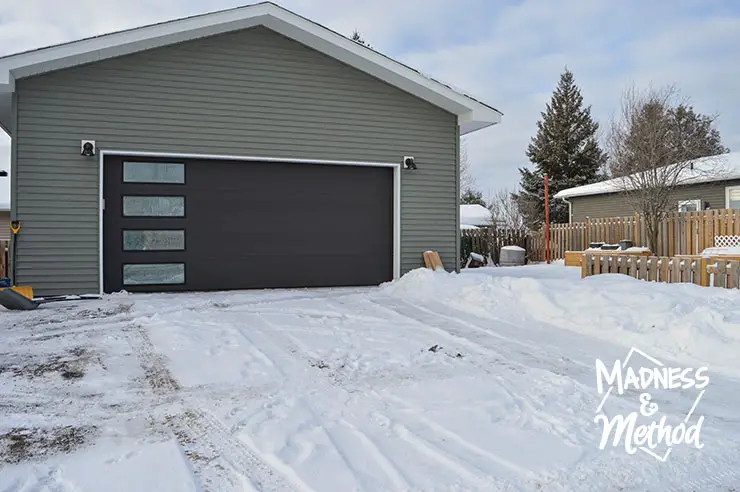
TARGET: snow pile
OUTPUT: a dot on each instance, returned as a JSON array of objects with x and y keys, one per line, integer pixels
[
  {"x": 638, "y": 249},
  {"x": 684, "y": 322},
  {"x": 475, "y": 215},
  {"x": 731, "y": 251}
]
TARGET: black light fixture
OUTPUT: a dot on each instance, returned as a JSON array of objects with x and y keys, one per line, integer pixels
[
  {"x": 3, "y": 174},
  {"x": 87, "y": 148},
  {"x": 409, "y": 163}
]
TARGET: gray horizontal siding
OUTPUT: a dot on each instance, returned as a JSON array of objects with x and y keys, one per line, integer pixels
[
  {"x": 614, "y": 205},
  {"x": 252, "y": 93},
  {"x": 4, "y": 226}
]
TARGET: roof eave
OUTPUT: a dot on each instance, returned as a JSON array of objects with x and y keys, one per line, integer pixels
[{"x": 472, "y": 114}]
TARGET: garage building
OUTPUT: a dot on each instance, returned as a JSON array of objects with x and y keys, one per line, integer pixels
[{"x": 247, "y": 148}]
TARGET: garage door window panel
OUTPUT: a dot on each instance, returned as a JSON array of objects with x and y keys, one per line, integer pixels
[
  {"x": 154, "y": 206},
  {"x": 153, "y": 274},
  {"x": 154, "y": 172},
  {"x": 151, "y": 240}
]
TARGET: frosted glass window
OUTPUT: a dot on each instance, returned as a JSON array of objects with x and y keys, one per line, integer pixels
[
  {"x": 689, "y": 205},
  {"x": 153, "y": 172},
  {"x": 154, "y": 206},
  {"x": 153, "y": 240},
  {"x": 154, "y": 274},
  {"x": 733, "y": 197}
]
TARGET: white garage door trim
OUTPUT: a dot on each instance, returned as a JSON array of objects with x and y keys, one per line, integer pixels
[{"x": 138, "y": 153}]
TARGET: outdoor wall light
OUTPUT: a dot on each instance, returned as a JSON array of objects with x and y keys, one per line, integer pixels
[
  {"x": 87, "y": 148},
  {"x": 409, "y": 163},
  {"x": 3, "y": 174}
]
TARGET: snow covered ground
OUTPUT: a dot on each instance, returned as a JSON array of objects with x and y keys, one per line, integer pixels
[{"x": 483, "y": 381}]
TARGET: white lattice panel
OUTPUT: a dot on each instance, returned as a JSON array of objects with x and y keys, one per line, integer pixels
[{"x": 726, "y": 241}]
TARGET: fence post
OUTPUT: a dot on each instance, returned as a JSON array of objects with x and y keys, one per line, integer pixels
[
  {"x": 720, "y": 272},
  {"x": 703, "y": 273}
]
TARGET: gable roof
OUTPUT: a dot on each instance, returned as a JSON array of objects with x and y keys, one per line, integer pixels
[
  {"x": 704, "y": 170},
  {"x": 472, "y": 114}
]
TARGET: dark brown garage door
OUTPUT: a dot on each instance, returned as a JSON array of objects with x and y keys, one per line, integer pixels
[{"x": 186, "y": 224}]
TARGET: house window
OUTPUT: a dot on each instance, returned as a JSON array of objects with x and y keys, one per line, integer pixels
[
  {"x": 154, "y": 206},
  {"x": 689, "y": 205},
  {"x": 154, "y": 274},
  {"x": 153, "y": 172},
  {"x": 732, "y": 199}
]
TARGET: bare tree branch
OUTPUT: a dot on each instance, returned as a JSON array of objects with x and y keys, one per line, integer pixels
[
  {"x": 505, "y": 211},
  {"x": 650, "y": 154},
  {"x": 467, "y": 181}
]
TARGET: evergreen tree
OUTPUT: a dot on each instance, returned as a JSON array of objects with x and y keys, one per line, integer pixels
[
  {"x": 472, "y": 197},
  {"x": 565, "y": 148},
  {"x": 695, "y": 131},
  {"x": 670, "y": 133}
]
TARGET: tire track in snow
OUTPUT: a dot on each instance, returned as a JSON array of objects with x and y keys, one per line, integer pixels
[
  {"x": 205, "y": 439},
  {"x": 719, "y": 475},
  {"x": 201, "y": 435},
  {"x": 429, "y": 321},
  {"x": 289, "y": 344},
  {"x": 154, "y": 364},
  {"x": 389, "y": 468},
  {"x": 425, "y": 447},
  {"x": 297, "y": 355},
  {"x": 453, "y": 436}
]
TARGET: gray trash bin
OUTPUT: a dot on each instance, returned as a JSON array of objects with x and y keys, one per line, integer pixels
[{"x": 512, "y": 256}]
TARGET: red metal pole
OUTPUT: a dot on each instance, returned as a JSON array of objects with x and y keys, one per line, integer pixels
[{"x": 547, "y": 222}]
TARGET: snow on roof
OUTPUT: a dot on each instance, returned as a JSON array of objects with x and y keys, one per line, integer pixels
[
  {"x": 477, "y": 215},
  {"x": 706, "y": 169},
  {"x": 472, "y": 113},
  {"x": 4, "y": 180}
]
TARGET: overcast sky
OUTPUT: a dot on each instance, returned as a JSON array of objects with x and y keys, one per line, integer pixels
[{"x": 508, "y": 53}]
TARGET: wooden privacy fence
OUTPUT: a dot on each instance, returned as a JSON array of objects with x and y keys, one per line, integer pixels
[
  {"x": 490, "y": 241},
  {"x": 4, "y": 259},
  {"x": 680, "y": 233},
  {"x": 700, "y": 271}
]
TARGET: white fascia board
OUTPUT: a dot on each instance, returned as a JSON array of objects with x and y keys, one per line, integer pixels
[
  {"x": 116, "y": 44},
  {"x": 472, "y": 114}
]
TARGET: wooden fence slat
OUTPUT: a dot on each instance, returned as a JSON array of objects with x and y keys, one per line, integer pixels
[
  {"x": 622, "y": 264},
  {"x": 675, "y": 270},
  {"x": 731, "y": 275},
  {"x": 652, "y": 269},
  {"x": 633, "y": 266},
  {"x": 642, "y": 275},
  {"x": 665, "y": 268},
  {"x": 720, "y": 275}
]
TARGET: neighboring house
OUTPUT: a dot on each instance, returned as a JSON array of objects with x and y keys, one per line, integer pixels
[
  {"x": 228, "y": 146},
  {"x": 713, "y": 182},
  {"x": 474, "y": 216}
]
